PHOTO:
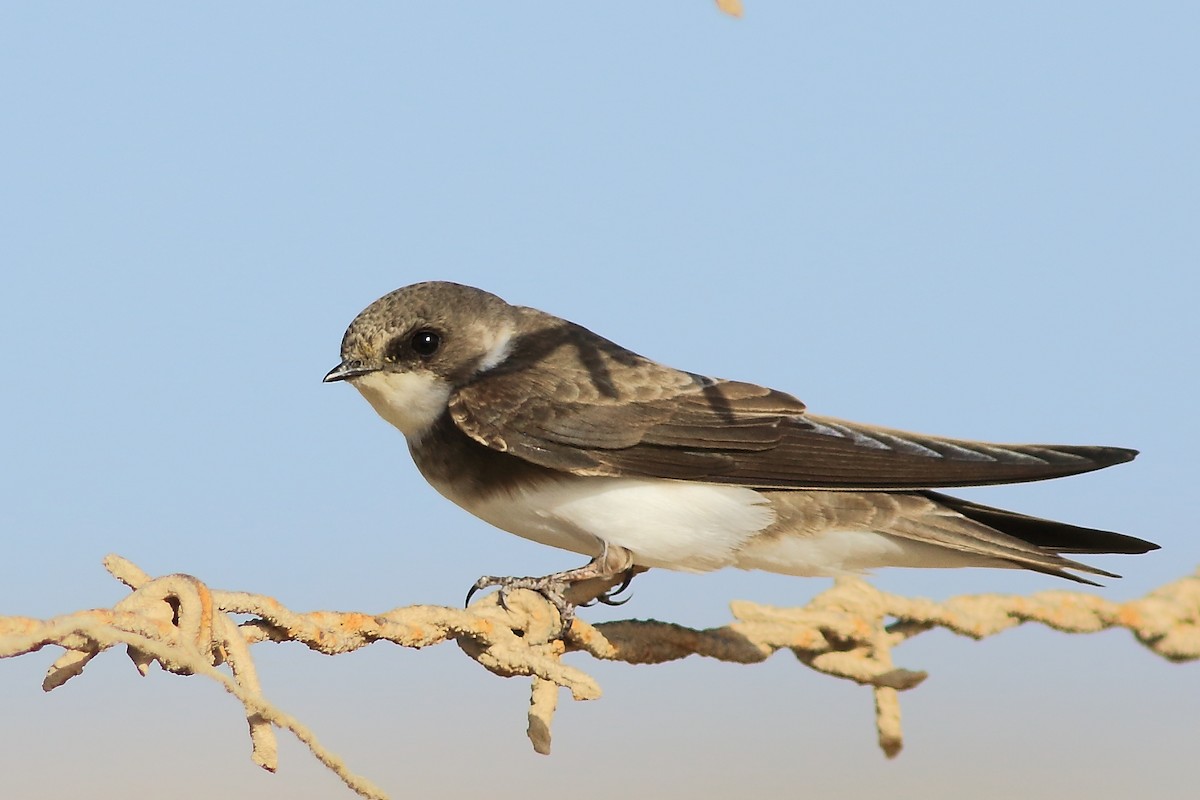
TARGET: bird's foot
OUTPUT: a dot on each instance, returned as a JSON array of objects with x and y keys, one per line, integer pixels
[
  {"x": 550, "y": 587},
  {"x": 613, "y": 563},
  {"x": 609, "y": 595}
]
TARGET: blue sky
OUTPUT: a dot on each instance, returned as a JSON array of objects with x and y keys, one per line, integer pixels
[{"x": 976, "y": 221}]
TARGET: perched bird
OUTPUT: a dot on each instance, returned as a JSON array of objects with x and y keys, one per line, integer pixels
[{"x": 549, "y": 431}]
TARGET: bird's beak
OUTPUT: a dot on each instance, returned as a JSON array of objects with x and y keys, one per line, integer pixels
[{"x": 347, "y": 369}]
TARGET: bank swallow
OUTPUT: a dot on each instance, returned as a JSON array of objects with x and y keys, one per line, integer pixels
[{"x": 549, "y": 431}]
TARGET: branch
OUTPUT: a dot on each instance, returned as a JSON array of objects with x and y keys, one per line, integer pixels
[{"x": 847, "y": 632}]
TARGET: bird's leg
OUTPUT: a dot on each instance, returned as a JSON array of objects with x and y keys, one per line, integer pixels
[{"x": 613, "y": 565}]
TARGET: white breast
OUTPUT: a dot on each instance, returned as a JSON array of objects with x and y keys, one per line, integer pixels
[{"x": 671, "y": 524}]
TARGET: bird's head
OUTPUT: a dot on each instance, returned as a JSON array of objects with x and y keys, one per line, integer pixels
[{"x": 410, "y": 349}]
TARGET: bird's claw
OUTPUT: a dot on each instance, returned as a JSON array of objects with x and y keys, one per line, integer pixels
[
  {"x": 608, "y": 596},
  {"x": 612, "y": 562},
  {"x": 549, "y": 587}
]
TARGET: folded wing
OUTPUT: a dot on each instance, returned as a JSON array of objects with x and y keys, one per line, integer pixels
[{"x": 597, "y": 409}]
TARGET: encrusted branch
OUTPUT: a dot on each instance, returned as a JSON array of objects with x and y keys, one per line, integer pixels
[{"x": 847, "y": 632}]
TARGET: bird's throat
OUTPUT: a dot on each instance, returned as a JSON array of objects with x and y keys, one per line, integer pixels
[{"x": 411, "y": 401}]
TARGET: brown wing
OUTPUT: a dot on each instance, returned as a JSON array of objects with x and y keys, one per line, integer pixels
[{"x": 572, "y": 401}]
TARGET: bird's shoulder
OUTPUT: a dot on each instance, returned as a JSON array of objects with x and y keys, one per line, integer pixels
[{"x": 564, "y": 384}]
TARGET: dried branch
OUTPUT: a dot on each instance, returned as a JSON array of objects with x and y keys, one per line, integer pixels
[{"x": 847, "y": 632}]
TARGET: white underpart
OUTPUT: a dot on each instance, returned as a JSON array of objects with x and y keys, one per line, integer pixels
[
  {"x": 838, "y": 553},
  {"x": 694, "y": 527},
  {"x": 671, "y": 524},
  {"x": 412, "y": 401}
]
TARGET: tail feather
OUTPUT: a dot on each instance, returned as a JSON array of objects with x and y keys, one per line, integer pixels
[{"x": 1058, "y": 537}]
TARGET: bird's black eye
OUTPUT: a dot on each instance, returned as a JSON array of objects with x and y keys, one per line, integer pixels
[{"x": 425, "y": 343}]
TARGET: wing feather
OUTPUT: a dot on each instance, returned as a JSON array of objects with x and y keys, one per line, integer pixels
[{"x": 573, "y": 401}]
